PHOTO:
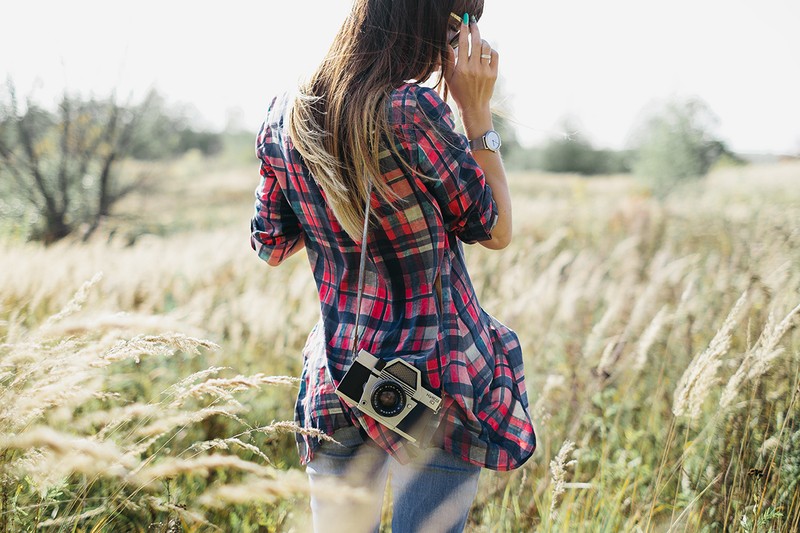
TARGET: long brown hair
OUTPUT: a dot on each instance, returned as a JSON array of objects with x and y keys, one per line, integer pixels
[{"x": 339, "y": 118}]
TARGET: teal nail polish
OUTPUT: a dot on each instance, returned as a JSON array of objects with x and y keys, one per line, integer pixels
[{"x": 466, "y": 19}]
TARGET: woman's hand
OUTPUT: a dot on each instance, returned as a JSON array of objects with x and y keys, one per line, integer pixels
[{"x": 471, "y": 77}]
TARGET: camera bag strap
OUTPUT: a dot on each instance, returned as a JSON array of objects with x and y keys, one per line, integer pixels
[{"x": 361, "y": 266}]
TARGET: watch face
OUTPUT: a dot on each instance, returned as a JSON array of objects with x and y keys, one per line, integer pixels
[{"x": 492, "y": 140}]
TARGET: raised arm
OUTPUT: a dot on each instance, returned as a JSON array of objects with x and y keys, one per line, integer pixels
[{"x": 471, "y": 80}]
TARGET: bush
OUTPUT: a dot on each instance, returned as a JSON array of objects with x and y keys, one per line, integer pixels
[
  {"x": 572, "y": 152},
  {"x": 60, "y": 168}
]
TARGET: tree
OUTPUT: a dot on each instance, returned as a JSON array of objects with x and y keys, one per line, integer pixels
[
  {"x": 166, "y": 130},
  {"x": 62, "y": 165},
  {"x": 677, "y": 144}
]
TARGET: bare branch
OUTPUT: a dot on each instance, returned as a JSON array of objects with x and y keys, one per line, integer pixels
[
  {"x": 66, "y": 124},
  {"x": 28, "y": 144}
]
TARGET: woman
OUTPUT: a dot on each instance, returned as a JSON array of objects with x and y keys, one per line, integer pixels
[{"x": 361, "y": 128}]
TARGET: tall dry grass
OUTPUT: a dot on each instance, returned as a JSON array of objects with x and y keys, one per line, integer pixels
[{"x": 660, "y": 342}]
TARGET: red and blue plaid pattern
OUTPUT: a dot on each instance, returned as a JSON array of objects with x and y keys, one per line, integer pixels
[{"x": 473, "y": 359}]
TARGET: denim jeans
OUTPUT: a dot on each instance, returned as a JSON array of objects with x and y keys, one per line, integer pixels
[{"x": 432, "y": 494}]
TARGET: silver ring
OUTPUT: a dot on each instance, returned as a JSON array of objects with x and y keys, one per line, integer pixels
[{"x": 486, "y": 56}]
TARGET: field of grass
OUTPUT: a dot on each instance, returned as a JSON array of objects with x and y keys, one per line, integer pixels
[{"x": 146, "y": 377}]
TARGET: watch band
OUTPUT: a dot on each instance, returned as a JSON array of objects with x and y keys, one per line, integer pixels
[
  {"x": 482, "y": 143},
  {"x": 478, "y": 144}
]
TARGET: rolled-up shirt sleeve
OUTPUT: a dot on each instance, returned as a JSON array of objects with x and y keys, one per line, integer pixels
[
  {"x": 458, "y": 183},
  {"x": 274, "y": 229}
]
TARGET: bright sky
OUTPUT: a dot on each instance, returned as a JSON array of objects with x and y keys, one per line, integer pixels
[{"x": 601, "y": 62}]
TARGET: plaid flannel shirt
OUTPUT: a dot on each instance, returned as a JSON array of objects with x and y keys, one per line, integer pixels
[{"x": 469, "y": 356}]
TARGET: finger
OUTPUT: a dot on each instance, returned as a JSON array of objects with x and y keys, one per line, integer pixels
[
  {"x": 495, "y": 62},
  {"x": 463, "y": 44},
  {"x": 475, "y": 34},
  {"x": 486, "y": 52}
]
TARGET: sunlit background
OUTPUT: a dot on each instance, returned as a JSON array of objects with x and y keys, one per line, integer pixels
[{"x": 600, "y": 64}]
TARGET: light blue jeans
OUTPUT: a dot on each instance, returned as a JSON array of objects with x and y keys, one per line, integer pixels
[{"x": 432, "y": 494}]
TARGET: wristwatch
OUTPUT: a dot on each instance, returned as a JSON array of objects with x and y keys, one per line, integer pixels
[{"x": 490, "y": 141}]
